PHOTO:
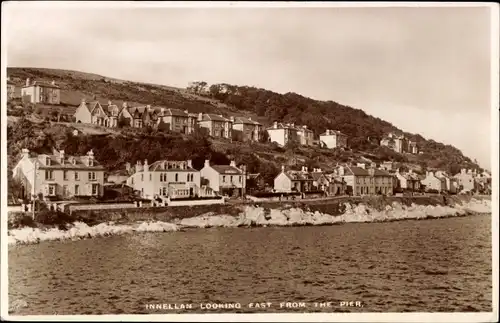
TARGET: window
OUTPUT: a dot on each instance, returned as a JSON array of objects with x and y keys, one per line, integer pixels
[
  {"x": 77, "y": 176},
  {"x": 239, "y": 179},
  {"x": 77, "y": 190},
  {"x": 150, "y": 177},
  {"x": 231, "y": 179},
  {"x": 91, "y": 162},
  {"x": 142, "y": 177},
  {"x": 47, "y": 161},
  {"x": 164, "y": 191},
  {"x": 65, "y": 175},
  {"x": 65, "y": 190},
  {"x": 52, "y": 190},
  {"x": 223, "y": 178},
  {"x": 95, "y": 189},
  {"x": 92, "y": 176},
  {"x": 49, "y": 174},
  {"x": 176, "y": 177},
  {"x": 357, "y": 180}
]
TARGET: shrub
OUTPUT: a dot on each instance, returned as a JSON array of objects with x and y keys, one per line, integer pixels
[
  {"x": 48, "y": 217},
  {"x": 23, "y": 220}
]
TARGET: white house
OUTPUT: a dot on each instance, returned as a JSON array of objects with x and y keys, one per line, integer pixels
[
  {"x": 466, "y": 180},
  {"x": 333, "y": 139},
  {"x": 165, "y": 178},
  {"x": 432, "y": 182},
  {"x": 293, "y": 181},
  {"x": 225, "y": 179}
]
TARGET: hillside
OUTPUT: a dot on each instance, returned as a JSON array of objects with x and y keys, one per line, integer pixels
[{"x": 260, "y": 104}]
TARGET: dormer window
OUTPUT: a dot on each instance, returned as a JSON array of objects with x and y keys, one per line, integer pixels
[
  {"x": 91, "y": 162},
  {"x": 47, "y": 161}
]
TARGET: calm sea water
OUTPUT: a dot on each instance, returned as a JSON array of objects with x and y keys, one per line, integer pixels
[{"x": 407, "y": 266}]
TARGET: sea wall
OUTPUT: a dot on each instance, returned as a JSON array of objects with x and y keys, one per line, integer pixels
[{"x": 175, "y": 218}]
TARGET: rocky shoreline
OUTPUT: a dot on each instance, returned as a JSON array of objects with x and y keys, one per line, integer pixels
[{"x": 260, "y": 216}]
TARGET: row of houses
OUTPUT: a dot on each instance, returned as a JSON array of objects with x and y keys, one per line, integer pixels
[{"x": 58, "y": 175}]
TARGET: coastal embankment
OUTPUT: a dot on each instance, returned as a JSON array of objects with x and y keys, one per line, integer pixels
[{"x": 95, "y": 223}]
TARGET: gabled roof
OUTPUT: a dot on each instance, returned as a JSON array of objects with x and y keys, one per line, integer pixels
[
  {"x": 243, "y": 120},
  {"x": 317, "y": 175},
  {"x": 79, "y": 162},
  {"x": 359, "y": 171},
  {"x": 213, "y": 117},
  {"x": 298, "y": 175},
  {"x": 289, "y": 126},
  {"x": 170, "y": 166},
  {"x": 227, "y": 169}
]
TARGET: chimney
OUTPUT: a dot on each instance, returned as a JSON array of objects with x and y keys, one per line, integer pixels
[
  {"x": 146, "y": 166},
  {"x": 411, "y": 171},
  {"x": 138, "y": 166},
  {"x": 200, "y": 116},
  {"x": 231, "y": 118},
  {"x": 462, "y": 171},
  {"x": 328, "y": 131},
  {"x": 186, "y": 111},
  {"x": 283, "y": 168},
  {"x": 125, "y": 105},
  {"x": 341, "y": 170},
  {"x": 275, "y": 125},
  {"x": 83, "y": 100},
  {"x": 53, "y": 82},
  {"x": 61, "y": 156},
  {"x": 292, "y": 124},
  {"x": 190, "y": 163},
  {"x": 127, "y": 166},
  {"x": 28, "y": 81},
  {"x": 232, "y": 163},
  {"x": 371, "y": 171},
  {"x": 148, "y": 107},
  {"x": 109, "y": 102},
  {"x": 362, "y": 165},
  {"x": 207, "y": 163},
  {"x": 26, "y": 153}
]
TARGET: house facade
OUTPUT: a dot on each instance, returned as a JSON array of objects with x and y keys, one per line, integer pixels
[
  {"x": 293, "y": 181},
  {"x": 433, "y": 182},
  {"x": 249, "y": 129},
  {"x": 177, "y": 120},
  {"x": 333, "y": 139},
  {"x": 282, "y": 134},
  {"x": 164, "y": 178},
  {"x": 11, "y": 89},
  {"x": 451, "y": 184},
  {"x": 225, "y": 179},
  {"x": 409, "y": 181},
  {"x": 60, "y": 176},
  {"x": 41, "y": 92},
  {"x": 466, "y": 180},
  {"x": 216, "y": 125},
  {"x": 96, "y": 113},
  {"x": 399, "y": 144},
  {"x": 371, "y": 181}
]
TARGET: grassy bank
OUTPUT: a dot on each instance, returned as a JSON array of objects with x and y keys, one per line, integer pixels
[{"x": 333, "y": 207}]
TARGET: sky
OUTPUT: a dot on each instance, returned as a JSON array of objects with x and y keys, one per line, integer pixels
[{"x": 425, "y": 70}]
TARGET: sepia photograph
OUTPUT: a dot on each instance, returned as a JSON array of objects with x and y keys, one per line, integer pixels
[{"x": 249, "y": 161}]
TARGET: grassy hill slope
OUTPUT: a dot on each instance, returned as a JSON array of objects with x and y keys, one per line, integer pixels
[{"x": 260, "y": 104}]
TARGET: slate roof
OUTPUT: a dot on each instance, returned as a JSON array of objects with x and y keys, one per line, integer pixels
[
  {"x": 243, "y": 120},
  {"x": 333, "y": 132},
  {"x": 289, "y": 126},
  {"x": 80, "y": 162},
  {"x": 175, "y": 166},
  {"x": 226, "y": 169},
  {"x": 213, "y": 117},
  {"x": 359, "y": 171},
  {"x": 298, "y": 176}
]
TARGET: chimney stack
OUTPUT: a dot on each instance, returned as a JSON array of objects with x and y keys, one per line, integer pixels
[
  {"x": 109, "y": 102},
  {"x": 275, "y": 125},
  {"x": 200, "y": 116},
  {"x": 28, "y": 81},
  {"x": 232, "y": 163},
  {"x": 84, "y": 100},
  {"x": 207, "y": 162},
  {"x": 283, "y": 168},
  {"x": 146, "y": 166},
  {"x": 61, "y": 156},
  {"x": 231, "y": 118},
  {"x": 125, "y": 105},
  {"x": 26, "y": 153},
  {"x": 127, "y": 166},
  {"x": 341, "y": 170},
  {"x": 53, "y": 82},
  {"x": 190, "y": 163}
]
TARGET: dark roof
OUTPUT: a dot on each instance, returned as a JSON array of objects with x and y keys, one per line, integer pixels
[
  {"x": 79, "y": 162},
  {"x": 226, "y": 169},
  {"x": 289, "y": 126},
  {"x": 213, "y": 117},
  {"x": 170, "y": 165},
  {"x": 245, "y": 121},
  {"x": 317, "y": 175},
  {"x": 175, "y": 112},
  {"x": 298, "y": 175},
  {"x": 359, "y": 171}
]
